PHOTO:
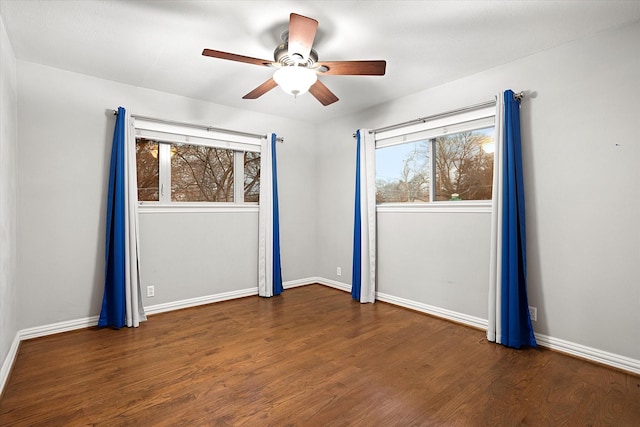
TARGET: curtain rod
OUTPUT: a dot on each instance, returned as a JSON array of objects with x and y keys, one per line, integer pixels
[
  {"x": 517, "y": 96},
  {"x": 206, "y": 127}
]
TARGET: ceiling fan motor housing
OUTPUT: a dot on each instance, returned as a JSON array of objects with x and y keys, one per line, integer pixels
[{"x": 282, "y": 57}]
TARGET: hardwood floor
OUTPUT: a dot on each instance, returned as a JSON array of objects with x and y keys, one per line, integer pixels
[{"x": 310, "y": 357}]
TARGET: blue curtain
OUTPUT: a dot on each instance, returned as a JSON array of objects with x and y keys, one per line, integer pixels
[
  {"x": 277, "y": 269},
  {"x": 517, "y": 330},
  {"x": 363, "y": 273},
  {"x": 113, "y": 302},
  {"x": 269, "y": 261},
  {"x": 356, "y": 273}
]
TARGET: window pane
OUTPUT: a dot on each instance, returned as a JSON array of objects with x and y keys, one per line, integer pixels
[
  {"x": 201, "y": 174},
  {"x": 147, "y": 170},
  {"x": 251, "y": 177},
  {"x": 464, "y": 165},
  {"x": 402, "y": 173}
]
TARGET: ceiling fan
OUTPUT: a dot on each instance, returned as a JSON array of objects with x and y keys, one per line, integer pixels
[{"x": 298, "y": 65}]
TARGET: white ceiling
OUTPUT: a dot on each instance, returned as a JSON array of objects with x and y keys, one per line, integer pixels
[{"x": 158, "y": 44}]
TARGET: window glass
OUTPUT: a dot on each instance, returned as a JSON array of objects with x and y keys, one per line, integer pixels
[
  {"x": 201, "y": 174},
  {"x": 403, "y": 173},
  {"x": 148, "y": 170},
  {"x": 251, "y": 177},
  {"x": 464, "y": 165}
]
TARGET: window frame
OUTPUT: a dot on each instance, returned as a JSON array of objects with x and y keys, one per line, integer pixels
[
  {"x": 428, "y": 131},
  {"x": 166, "y": 134}
]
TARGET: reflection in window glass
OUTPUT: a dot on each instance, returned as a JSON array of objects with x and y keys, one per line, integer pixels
[
  {"x": 147, "y": 170},
  {"x": 201, "y": 174}
]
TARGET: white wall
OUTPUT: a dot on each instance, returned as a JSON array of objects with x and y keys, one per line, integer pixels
[
  {"x": 65, "y": 127},
  {"x": 8, "y": 144},
  {"x": 581, "y": 139},
  {"x": 198, "y": 254}
]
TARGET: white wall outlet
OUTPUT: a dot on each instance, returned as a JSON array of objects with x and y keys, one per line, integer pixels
[
  {"x": 339, "y": 271},
  {"x": 533, "y": 313},
  {"x": 151, "y": 291}
]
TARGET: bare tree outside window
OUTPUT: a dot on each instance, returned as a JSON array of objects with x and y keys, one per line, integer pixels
[
  {"x": 148, "y": 170},
  {"x": 464, "y": 171},
  {"x": 251, "y": 177},
  {"x": 201, "y": 174}
]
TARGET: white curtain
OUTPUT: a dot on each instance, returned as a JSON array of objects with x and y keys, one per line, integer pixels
[
  {"x": 495, "y": 302},
  {"x": 269, "y": 274},
  {"x": 364, "y": 245},
  {"x": 134, "y": 308}
]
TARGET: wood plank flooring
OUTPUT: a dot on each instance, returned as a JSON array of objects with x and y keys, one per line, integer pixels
[{"x": 310, "y": 357}]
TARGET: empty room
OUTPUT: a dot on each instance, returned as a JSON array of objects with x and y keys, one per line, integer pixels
[{"x": 314, "y": 213}]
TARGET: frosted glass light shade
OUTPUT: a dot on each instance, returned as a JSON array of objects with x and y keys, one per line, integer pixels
[{"x": 295, "y": 80}]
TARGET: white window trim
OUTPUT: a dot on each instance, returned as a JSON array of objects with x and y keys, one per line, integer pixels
[
  {"x": 196, "y": 207},
  {"x": 432, "y": 133},
  {"x": 167, "y": 132},
  {"x": 438, "y": 123},
  {"x": 462, "y": 206}
]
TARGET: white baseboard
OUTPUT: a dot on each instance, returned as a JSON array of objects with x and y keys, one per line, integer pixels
[
  {"x": 56, "y": 328},
  {"x": 332, "y": 284},
  {"x": 8, "y": 361},
  {"x": 300, "y": 282},
  {"x": 193, "y": 302},
  {"x": 465, "y": 319},
  {"x": 208, "y": 299},
  {"x": 589, "y": 353}
]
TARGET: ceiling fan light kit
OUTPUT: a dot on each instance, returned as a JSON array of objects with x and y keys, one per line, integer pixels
[
  {"x": 295, "y": 80},
  {"x": 298, "y": 65}
]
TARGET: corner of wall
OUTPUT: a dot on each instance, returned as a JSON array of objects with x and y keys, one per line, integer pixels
[{"x": 8, "y": 146}]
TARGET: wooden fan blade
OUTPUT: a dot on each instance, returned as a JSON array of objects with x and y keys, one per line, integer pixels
[
  {"x": 302, "y": 31},
  {"x": 261, "y": 90},
  {"x": 322, "y": 93},
  {"x": 234, "y": 57},
  {"x": 354, "y": 68}
]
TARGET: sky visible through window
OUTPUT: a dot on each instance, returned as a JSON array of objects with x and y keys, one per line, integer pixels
[{"x": 389, "y": 166}]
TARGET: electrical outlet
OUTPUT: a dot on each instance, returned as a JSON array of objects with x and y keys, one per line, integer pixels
[
  {"x": 339, "y": 271},
  {"x": 533, "y": 313},
  {"x": 151, "y": 291}
]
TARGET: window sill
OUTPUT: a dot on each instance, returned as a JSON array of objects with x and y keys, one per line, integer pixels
[
  {"x": 155, "y": 208},
  {"x": 483, "y": 206}
]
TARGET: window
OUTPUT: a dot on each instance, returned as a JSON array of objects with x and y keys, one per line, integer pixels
[
  {"x": 174, "y": 169},
  {"x": 444, "y": 163}
]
